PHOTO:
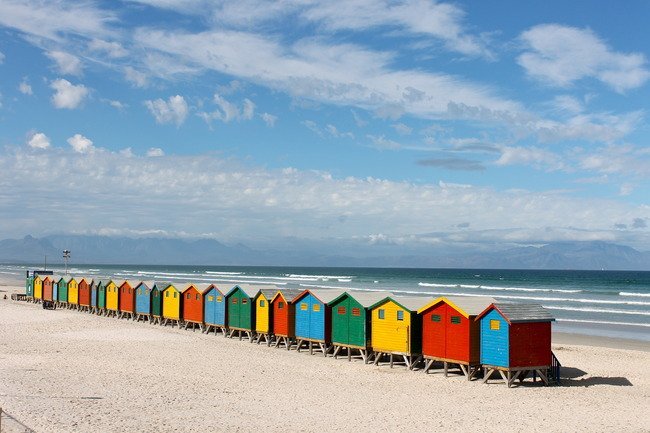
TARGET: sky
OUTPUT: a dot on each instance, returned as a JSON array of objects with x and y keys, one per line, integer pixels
[{"x": 418, "y": 124}]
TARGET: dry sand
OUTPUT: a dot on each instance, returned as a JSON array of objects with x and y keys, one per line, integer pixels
[{"x": 64, "y": 371}]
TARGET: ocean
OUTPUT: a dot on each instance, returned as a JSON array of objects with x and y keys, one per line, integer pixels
[{"x": 606, "y": 303}]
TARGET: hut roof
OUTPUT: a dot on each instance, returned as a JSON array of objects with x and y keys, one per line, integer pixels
[
  {"x": 147, "y": 284},
  {"x": 411, "y": 303},
  {"x": 324, "y": 295},
  {"x": 287, "y": 294},
  {"x": 269, "y": 291},
  {"x": 211, "y": 286},
  {"x": 179, "y": 287},
  {"x": 202, "y": 287},
  {"x": 249, "y": 289},
  {"x": 516, "y": 312},
  {"x": 131, "y": 283},
  {"x": 365, "y": 297},
  {"x": 467, "y": 305}
]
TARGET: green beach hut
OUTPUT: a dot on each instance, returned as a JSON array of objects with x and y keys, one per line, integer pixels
[
  {"x": 240, "y": 311},
  {"x": 101, "y": 297},
  {"x": 156, "y": 302},
  {"x": 351, "y": 323}
]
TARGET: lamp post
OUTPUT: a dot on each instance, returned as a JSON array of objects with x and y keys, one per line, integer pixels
[{"x": 66, "y": 257}]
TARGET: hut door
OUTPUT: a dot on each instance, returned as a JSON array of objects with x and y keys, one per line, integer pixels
[
  {"x": 438, "y": 324},
  {"x": 402, "y": 338},
  {"x": 234, "y": 317},
  {"x": 341, "y": 328}
]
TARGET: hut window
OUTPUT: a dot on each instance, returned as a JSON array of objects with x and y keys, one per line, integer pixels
[
  {"x": 495, "y": 325},
  {"x": 219, "y": 299},
  {"x": 400, "y": 315},
  {"x": 381, "y": 314},
  {"x": 280, "y": 305},
  {"x": 175, "y": 294},
  {"x": 188, "y": 296},
  {"x": 455, "y": 320},
  {"x": 244, "y": 301},
  {"x": 316, "y": 307},
  {"x": 356, "y": 312},
  {"x": 341, "y": 310},
  {"x": 304, "y": 306},
  {"x": 210, "y": 298},
  {"x": 197, "y": 296},
  {"x": 155, "y": 294},
  {"x": 129, "y": 291},
  {"x": 262, "y": 303},
  {"x": 166, "y": 294},
  {"x": 435, "y": 317},
  {"x": 234, "y": 300}
]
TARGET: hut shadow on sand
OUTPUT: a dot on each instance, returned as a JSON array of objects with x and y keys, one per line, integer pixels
[{"x": 572, "y": 376}]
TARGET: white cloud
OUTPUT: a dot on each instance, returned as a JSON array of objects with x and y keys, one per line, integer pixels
[
  {"x": 137, "y": 78},
  {"x": 155, "y": 151},
  {"x": 67, "y": 64},
  {"x": 255, "y": 201},
  {"x": 174, "y": 110},
  {"x": 561, "y": 55},
  {"x": 115, "y": 104},
  {"x": 25, "y": 88},
  {"x": 2, "y": 58},
  {"x": 112, "y": 49},
  {"x": 38, "y": 140},
  {"x": 81, "y": 144},
  {"x": 539, "y": 158},
  {"x": 328, "y": 130},
  {"x": 68, "y": 95},
  {"x": 402, "y": 129},
  {"x": 269, "y": 119},
  {"x": 568, "y": 104},
  {"x": 228, "y": 111},
  {"x": 127, "y": 152},
  {"x": 54, "y": 19},
  {"x": 616, "y": 159}
]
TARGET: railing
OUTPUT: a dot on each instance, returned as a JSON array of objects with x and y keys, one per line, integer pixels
[
  {"x": 555, "y": 369},
  {"x": 9, "y": 424}
]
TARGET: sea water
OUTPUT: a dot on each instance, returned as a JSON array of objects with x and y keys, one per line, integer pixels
[{"x": 607, "y": 303}]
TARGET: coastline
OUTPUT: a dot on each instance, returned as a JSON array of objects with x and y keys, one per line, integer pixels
[{"x": 95, "y": 373}]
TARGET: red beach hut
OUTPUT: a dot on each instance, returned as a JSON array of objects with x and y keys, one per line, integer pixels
[
  {"x": 85, "y": 286},
  {"x": 450, "y": 334},
  {"x": 192, "y": 299},
  {"x": 47, "y": 288},
  {"x": 284, "y": 316},
  {"x": 126, "y": 293}
]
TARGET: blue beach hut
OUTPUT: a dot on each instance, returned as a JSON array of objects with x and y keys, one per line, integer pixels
[
  {"x": 93, "y": 297},
  {"x": 143, "y": 300},
  {"x": 214, "y": 304},
  {"x": 55, "y": 288},
  {"x": 313, "y": 318}
]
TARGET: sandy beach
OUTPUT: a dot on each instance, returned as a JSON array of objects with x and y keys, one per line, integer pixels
[{"x": 66, "y": 371}]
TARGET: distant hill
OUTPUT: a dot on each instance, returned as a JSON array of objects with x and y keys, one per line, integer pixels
[{"x": 123, "y": 250}]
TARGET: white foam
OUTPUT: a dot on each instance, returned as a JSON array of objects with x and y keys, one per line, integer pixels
[
  {"x": 599, "y": 310},
  {"x": 604, "y": 322},
  {"x": 223, "y": 273},
  {"x": 515, "y": 289},
  {"x": 320, "y": 277},
  {"x": 643, "y": 295}
]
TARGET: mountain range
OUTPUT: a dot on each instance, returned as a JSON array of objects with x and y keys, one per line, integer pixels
[{"x": 172, "y": 251}]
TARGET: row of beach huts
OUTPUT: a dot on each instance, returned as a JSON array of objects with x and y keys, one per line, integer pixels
[{"x": 473, "y": 336}]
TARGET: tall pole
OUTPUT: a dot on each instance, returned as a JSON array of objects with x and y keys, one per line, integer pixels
[
  {"x": 66, "y": 256},
  {"x": 45, "y": 266}
]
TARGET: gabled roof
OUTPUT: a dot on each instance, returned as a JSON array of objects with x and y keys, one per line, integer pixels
[
  {"x": 179, "y": 287},
  {"x": 323, "y": 295},
  {"x": 249, "y": 289},
  {"x": 465, "y": 305},
  {"x": 411, "y": 303},
  {"x": 215, "y": 287},
  {"x": 131, "y": 283},
  {"x": 147, "y": 284},
  {"x": 365, "y": 297},
  {"x": 269, "y": 291},
  {"x": 287, "y": 294},
  {"x": 517, "y": 313},
  {"x": 202, "y": 287}
]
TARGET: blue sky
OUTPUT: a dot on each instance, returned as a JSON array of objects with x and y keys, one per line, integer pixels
[{"x": 417, "y": 124}]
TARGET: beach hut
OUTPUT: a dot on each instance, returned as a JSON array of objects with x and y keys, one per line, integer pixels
[
  {"x": 450, "y": 335},
  {"x": 101, "y": 297},
  {"x": 313, "y": 319},
  {"x": 171, "y": 304},
  {"x": 284, "y": 316},
  {"x": 126, "y": 302},
  {"x": 47, "y": 288},
  {"x": 85, "y": 285},
  {"x": 55, "y": 288},
  {"x": 264, "y": 313},
  {"x": 396, "y": 329},
  {"x": 29, "y": 287},
  {"x": 62, "y": 291},
  {"x": 351, "y": 329},
  {"x": 73, "y": 293},
  {"x": 214, "y": 304},
  {"x": 516, "y": 341},
  {"x": 143, "y": 300},
  {"x": 93, "y": 297},
  {"x": 192, "y": 305},
  {"x": 156, "y": 302},
  {"x": 38, "y": 288},
  {"x": 240, "y": 311},
  {"x": 112, "y": 298}
]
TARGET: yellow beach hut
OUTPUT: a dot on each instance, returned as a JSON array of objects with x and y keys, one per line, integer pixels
[
  {"x": 396, "y": 329},
  {"x": 171, "y": 303},
  {"x": 112, "y": 298},
  {"x": 38, "y": 288},
  {"x": 73, "y": 293},
  {"x": 264, "y": 313}
]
